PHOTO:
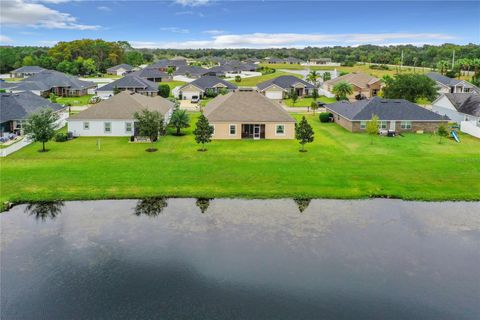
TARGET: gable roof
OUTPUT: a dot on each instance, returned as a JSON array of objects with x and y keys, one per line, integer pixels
[
  {"x": 28, "y": 69},
  {"x": 284, "y": 82},
  {"x": 207, "y": 82},
  {"x": 18, "y": 106},
  {"x": 123, "y": 106},
  {"x": 245, "y": 106},
  {"x": 468, "y": 103},
  {"x": 123, "y": 65},
  {"x": 191, "y": 70},
  {"x": 6, "y": 85},
  {"x": 150, "y": 73},
  {"x": 435, "y": 76},
  {"x": 385, "y": 109},
  {"x": 48, "y": 79},
  {"x": 164, "y": 63},
  {"x": 131, "y": 81},
  {"x": 359, "y": 79}
]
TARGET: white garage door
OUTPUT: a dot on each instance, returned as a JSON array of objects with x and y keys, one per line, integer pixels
[
  {"x": 274, "y": 95},
  {"x": 188, "y": 95}
]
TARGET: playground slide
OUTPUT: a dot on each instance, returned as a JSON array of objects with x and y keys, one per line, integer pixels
[{"x": 455, "y": 136}]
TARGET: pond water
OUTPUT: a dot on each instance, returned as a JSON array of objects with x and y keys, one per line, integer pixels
[{"x": 241, "y": 259}]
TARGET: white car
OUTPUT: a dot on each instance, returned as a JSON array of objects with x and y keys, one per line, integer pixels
[{"x": 195, "y": 99}]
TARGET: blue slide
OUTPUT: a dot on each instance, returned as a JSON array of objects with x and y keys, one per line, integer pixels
[{"x": 455, "y": 136}]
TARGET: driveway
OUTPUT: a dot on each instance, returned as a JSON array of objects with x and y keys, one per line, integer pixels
[{"x": 188, "y": 105}]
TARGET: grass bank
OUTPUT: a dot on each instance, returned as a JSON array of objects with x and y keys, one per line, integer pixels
[{"x": 338, "y": 164}]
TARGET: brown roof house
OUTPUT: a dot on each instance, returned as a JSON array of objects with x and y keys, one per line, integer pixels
[
  {"x": 364, "y": 85},
  {"x": 248, "y": 115},
  {"x": 115, "y": 117},
  {"x": 395, "y": 115}
]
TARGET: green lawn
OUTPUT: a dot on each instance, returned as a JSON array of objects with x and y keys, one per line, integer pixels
[
  {"x": 306, "y": 102},
  {"x": 75, "y": 101},
  {"x": 253, "y": 81},
  {"x": 173, "y": 84},
  {"x": 338, "y": 164}
]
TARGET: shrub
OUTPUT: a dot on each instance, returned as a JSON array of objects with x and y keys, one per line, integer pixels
[
  {"x": 348, "y": 64},
  {"x": 61, "y": 137},
  {"x": 238, "y": 79},
  {"x": 379, "y": 67},
  {"x": 325, "y": 116}
]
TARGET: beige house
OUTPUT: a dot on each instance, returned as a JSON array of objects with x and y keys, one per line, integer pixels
[
  {"x": 364, "y": 85},
  {"x": 248, "y": 115}
]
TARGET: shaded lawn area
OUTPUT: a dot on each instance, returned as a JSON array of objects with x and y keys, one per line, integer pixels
[
  {"x": 75, "y": 101},
  {"x": 253, "y": 81},
  {"x": 306, "y": 102},
  {"x": 338, "y": 164}
]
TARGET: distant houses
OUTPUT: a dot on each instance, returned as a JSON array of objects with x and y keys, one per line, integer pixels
[
  {"x": 204, "y": 86},
  {"x": 151, "y": 74},
  {"x": 26, "y": 71},
  {"x": 449, "y": 85},
  {"x": 459, "y": 107},
  {"x": 192, "y": 72},
  {"x": 364, "y": 85},
  {"x": 130, "y": 82},
  {"x": 165, "y": 64},
  {"x": 282, "y": 87},
  {"x": 120, "y": 70}
]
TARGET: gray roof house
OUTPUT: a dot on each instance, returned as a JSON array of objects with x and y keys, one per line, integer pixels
[
  {"x": 163, "y": 64},
  {"x": 203, "y": 86},
  {"x": 459, "y": 106},
  {"x": 15, "y": 107},
  {"x": 26, "y": 71},
  {"x": 151, "y": 74},
  {"x": 449, "y": 85},
  {"x": 130, "y": 82},
  {"x": 395, "y": 115},
  {"x": 6, "y": 85},
  {"x": 280, "y": 87},
  {"x": 190, "y": 71},
  {"x": 120, "y": 69},
  {"x": 61, "y": 84}
]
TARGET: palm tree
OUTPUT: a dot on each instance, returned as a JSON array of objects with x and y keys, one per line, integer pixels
[
  {"x": 313, "y": 77},
  {"x": 180, "y": 120},
  {"x": 342, "y": 90},
  {"x": 443, "y": 66}
]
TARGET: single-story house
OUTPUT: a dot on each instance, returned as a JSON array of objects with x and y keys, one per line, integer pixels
[
  {"x": 449, "y": 85},
  {"x": 26, "y": 71},
  {"x": 248, "y": 115},
  {"x": 193, "y": 72},
  {"x": 204, "y": 85},
  {"x": 281, "y": 87},
  {"x": 130, "y": 82},
  {"x": 273, "y": 60},
  {"x": 397, "y": 115},
  {"x": 219, "y": 71},
  {"x": 320, "y": 61},
  {"x": 292, "y": 60},
  {"x": 58, "y": 83},
  {"x": 120, "y": 70},
  {"x": 153, "y": 75},
  {"x": 15, "y": 108},
  {"x": 237, "y": 66},
  {"x": 364, "y": 85},
  {"x": 164, "y": 64},
  {"x": 459, "y": 106},
  {"x": 115, "y": 117}
]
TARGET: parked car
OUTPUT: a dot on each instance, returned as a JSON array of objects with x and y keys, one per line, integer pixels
[{"x": 195, "y": 99}]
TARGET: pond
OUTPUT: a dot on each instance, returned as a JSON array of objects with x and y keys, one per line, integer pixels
[{"x": 241, "y": 259}]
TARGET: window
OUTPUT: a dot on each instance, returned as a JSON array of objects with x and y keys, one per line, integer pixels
[
  {"x": 232, "y": 129},
  {"x": 107, "y": 127},
  {"x": 280, "y": 129},
  {"x": 374, "y": 92},
  {"x": 128, "y": 127},
  {"x": 406, "y": 125},
  {"x": 363, "y": 124},
  {"x": 86, "y": 126},
  {"x": 382, "y": 124}
]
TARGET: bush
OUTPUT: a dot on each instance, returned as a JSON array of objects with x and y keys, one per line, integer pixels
[
  {"x": 164, "y": 90},
  {"x": 325, "y": 116},
  {"x": 238, "y": 79},
  {"x": 348, "y": 64},
  {"x": 61, "y": 137},
  {"x": 379, "y": 67}
]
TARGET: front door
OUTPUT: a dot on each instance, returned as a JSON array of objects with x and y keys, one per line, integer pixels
[
  {"x": 392, "y": 125},
  {"x": 256, "y": 132}
]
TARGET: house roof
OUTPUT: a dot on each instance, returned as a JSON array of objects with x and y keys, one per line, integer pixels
[
  {"x": 6, "y": 85},
  {"x": 164, "y": 63},
  {"x": 284, "y": 82},
  {"x": 123, "y": 106},
  {"x": 385, "y": 109},
  {"x": 131, "y": 81},
  {"x": 435, "y": 76},
  {"x": 245, "y": 106},
  {"x": 191, "y": 70},
  {"x": 18, "y": 106},
  {"x": 48, "y": 79},
  {"x": 150, "y": 73},
  {"x": 28, "y": 69},
  {"x": 359, "y": 79},
  {"x": 467, "y": 103},
  {"x": 123, "y": 66},
  {"x": 207, "y": 82}
]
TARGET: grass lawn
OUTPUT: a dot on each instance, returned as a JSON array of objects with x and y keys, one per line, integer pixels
[
  {"x": 173, "y": 84},
  {"x": 75, "y": 101},
  {"x": 306, "y": 102},
  {"x": 253, "y": 81},
  {"x": 338, "y": 164}
]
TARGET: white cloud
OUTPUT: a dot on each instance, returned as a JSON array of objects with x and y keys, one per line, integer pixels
[
  {"x": 298, "y": 40},
  {"x": 5, "y": 39},
  {"x": 175, "y": 30},
  {"x": 104, "y": 8},
  {"x": 192, "y": 3},
  {"x": 214, "y": 32},
  {"x": 23, "y": 13}
]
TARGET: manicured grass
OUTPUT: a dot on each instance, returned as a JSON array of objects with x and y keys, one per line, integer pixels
[
  {"x": 173, "y": 84},
  {"x": 253, "y": 81},
  {"x": 338, "y": 164},
  {"x": 75, "y": 101},
  {"x": 306, "y": 102}
]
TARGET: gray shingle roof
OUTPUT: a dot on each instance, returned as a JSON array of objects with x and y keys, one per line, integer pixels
[
  {"x": 164, "y": 63},
  {"x": 467, "y": 103},
  {"x": 6, "y": 85},
  {"x": 48, "y": 79},
  {"x": 385, "y": 109},
  {"x": 131, "y": 81},
  {"x": 123, "y": 65},
  {"x": 285, "y": 82},
  {"x": 207, "y": 82},
  {"x": 18, "y": 106},
  {"x": 28, "y": 69},
  {"x": 149, "y": 73},
  {"x": 435, "y": 76},
  {"x": 190, "y": 70}
]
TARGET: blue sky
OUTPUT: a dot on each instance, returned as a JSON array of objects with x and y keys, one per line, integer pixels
[{"x": 239, "y": 24}]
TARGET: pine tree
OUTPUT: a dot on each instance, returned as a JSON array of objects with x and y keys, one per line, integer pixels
[
  {"x": 303, "y": 133},
  {"x": 203, "y": 132}
]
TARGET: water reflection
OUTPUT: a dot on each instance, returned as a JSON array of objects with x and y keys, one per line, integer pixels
[
  {"x": 44, "y": 209},
  {"x": 203, "y": 204},
  {"x": 302, "y": 204},
  {"x": 151, "y": 207}
]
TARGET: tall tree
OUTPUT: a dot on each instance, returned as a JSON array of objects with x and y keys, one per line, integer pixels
[
  {"x": 327, "y": 76},
  {"x": 411, "y": 87},
  {"x": 149, "y": 124},
  {"x": 40, "y": 126},
  {"x": 372, "y": 127},
  {"x": 342, "y": 90},
  {"x": 203, "y": 131},
  {"x": 179, "y": 120},
  {"x": 304, "y": 133},
  {"x": 313, "y": 77}
]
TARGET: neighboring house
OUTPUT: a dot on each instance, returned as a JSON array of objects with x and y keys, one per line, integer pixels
[
  {"x": 273, "y": 60},
  {"x": 364, "y": 85},
  {"x": 120, "y": 70},
  {"x": 153, "y": 75},
  {"x": 219, "y": 71},
  {"x": 6, "y": 86},
  {"x": 248, "y": 115},
  {"x": 203, "y": 86},
  {"x": 164, "y": 64},
  {"x": 115, "y": 117},
  {"x": 459, "y": 106},
  {"x": 449, "y": 85},
  {"x": 238, "y": 66},
  {"x": 281, "y": 87},
  {"x": 26, "y": 71},
  {"x": 320, "y": 61},
  {"x": 48, "y": 81},
  {"x": 193, "y": 72},
  {"x": 292, "y": 60},
  {"x": 15, "y": 108},
  {"x": 397, "y": 115},
  {"x": 130, "y": 82}
]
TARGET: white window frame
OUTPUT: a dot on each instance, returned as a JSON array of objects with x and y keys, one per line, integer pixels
[
  {"x": 230, "y": 129},
  {"x": 86, "y": 125},
  {"x": 406, "y": 125},
  {"x": 126, "y": 126},
  {"x": 105, "y": 127},
  {"x": 363, "y": 125},
  {"x": 276, "y": 129},
  {"x": 383, "y": 125}
]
